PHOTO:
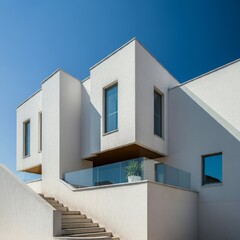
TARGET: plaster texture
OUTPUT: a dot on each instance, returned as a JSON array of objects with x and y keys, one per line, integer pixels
[
  {"x": 150, "y": 75},
  {"x": 118, "y": 68},
  {"x": 195, "y": 132},
  {"x": 29, "y": 110},
  {"x": 200, "y": 117},
  {"x": 63, "y": 106},
  {"x": 24, "y": 214},
  {"x": 36, "y": 186},
  {"x": 138, "y": 210}
]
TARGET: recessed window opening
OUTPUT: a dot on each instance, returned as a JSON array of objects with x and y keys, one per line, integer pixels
[
  {"x": 158, "y": 113},
  {"x": 212, "y": 169},
  {"x": 111, "y": 109},
  {"x": 26, "y": 133},
  {"x": 40, "y": 131}
]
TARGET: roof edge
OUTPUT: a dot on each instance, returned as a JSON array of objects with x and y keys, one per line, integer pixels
[
  {"x": 156, "y": 60},
  {"x": 108, "y": 56},
  {"x": 29, "y": 98},
  {"x": 49, "y": 76},
  {"x": 207, "y": 73},
  {"x": 85, "y": 79}
]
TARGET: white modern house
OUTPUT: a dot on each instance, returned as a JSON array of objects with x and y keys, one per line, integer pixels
[{"x": 128, "y": 153}]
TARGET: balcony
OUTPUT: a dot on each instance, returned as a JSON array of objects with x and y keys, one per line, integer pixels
[{"x": 133, "y": 170}]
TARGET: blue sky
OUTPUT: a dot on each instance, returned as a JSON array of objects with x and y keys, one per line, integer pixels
[{"x": 36, "y": 37}]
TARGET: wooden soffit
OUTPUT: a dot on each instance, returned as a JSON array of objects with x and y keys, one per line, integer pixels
[
  {"x": 121, "y": 154},
  {"x": 36, "y": 169}
]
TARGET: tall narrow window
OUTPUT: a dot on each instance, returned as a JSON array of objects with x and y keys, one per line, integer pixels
[
  {"x": 158, "y": 114},
  {"x": 40, "y": 131},
  {"x": 212, "y": 169},
  {"x": 111, "y": 108},
  {"x": 26, "y": 138}
]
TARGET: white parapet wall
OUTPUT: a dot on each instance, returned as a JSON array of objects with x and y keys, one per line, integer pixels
[
  {"x": 172, "y": 213},
  {"x": 29, "y": 111},
  {"x": 142, "y": 210},
  {"x": 23, "y": 214},
  {"x": 36, "y": 185}
]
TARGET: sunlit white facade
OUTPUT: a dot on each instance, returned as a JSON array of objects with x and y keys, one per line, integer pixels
[{"x": 131, "y": 107}]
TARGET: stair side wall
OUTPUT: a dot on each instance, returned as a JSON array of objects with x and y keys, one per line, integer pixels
[{"x": 23, "y": 214}]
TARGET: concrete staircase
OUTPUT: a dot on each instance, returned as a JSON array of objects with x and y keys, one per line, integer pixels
[{"x": 77, "y": 226}]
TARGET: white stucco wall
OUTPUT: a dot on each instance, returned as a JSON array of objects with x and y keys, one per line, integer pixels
[
  {"x": 151, "y": 74},
  {"x": 36, "y": 185},
  {"x": 194, "y": 132},
  {"x": 172, "y": 213},
  {"x": 65, "y": 112},
  {"x": 87, "y": 109},
  {"x": 51, "y": 131},
  {"x": 220, "y": 91},
  {"x": 143, "y": 210},
  {"x": 120, "y": 68},
  {"x": 29, "y": 110},
  {"x": 24, "y": 214},
  {"x": 73, "y": 123},
  {"x": 121, "y": 209}
]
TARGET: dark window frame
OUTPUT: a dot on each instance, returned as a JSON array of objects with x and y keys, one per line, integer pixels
[
  {"x": 40, "y": 131},
  {"x": 105, "y": 89},
  {"x": 161, "y": 117},
  {"x": 26, "y": 138}
]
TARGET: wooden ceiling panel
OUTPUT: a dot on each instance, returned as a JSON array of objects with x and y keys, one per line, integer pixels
[{"x": 121, "y": 154}]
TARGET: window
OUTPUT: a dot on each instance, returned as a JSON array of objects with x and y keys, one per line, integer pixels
[
  {"x": 26, "y": 129},
  {"x": 40, "y": 131},
  {"x": 111, "y": 108},
  {"x": 158, "y": 114},
  {"x": 212, "y": 168}
]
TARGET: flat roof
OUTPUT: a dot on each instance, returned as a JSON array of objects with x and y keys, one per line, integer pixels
[{"x": 124, "y": 45}]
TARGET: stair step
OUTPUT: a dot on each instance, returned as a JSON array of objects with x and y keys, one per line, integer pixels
[
  {"x": 52, "y": 201},
  {"x": 48, "y": 198},
  {"x": 75, "y": 220},
  {"x": 99, "y": 234},
  {"x": 56, "y": 204},
  {"x": 70, "y": 213},
  {"x": 63, "y": 209},
  {"x": 82, "y": 230},
  {"x": 72, "y": 216},
  {"x": 78, "y": 225},
  {"x": 86, "y": 238}
]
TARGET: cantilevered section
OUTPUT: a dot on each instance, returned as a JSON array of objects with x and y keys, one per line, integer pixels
[
  {"x": 36, "y": 170},
  {"x": 122, "y": 153}
]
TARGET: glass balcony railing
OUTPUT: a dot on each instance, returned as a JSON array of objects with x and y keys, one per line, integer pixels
[
  {"x": 102, "y": 175},
  {"x": 128, "y": 171},
  {"x": 172, "y": 176}
]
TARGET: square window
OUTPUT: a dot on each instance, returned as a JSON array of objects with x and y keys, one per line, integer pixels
[{"x": 212, "y": 169}]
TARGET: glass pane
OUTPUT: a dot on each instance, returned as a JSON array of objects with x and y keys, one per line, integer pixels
[
  {"x": 101, "y": 175},
  {"x": 27, "y": 139},
  {"x": 108, "y": 174},
  {"x": 111, "y": 108},
  {"x": 157, "y": 128},
  {"x": 212, "y": 167},
  {"x": 40, "y": 131},
  {"x": 158, "y": 114},
  {"x": 160, "y": 173},
  {"x": 172, "y": 176}
]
